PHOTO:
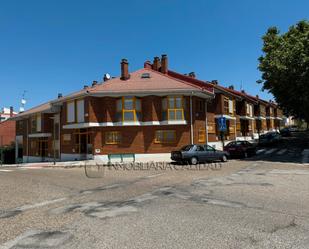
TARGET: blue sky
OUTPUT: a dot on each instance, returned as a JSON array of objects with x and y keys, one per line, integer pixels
[{"x": 47, "y": 47}]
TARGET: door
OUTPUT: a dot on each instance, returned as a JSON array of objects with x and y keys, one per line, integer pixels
[
  {"x": 200, "y": 151},
  {"x": 210, "y": 153}
]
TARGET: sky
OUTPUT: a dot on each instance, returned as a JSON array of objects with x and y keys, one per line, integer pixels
[{"x": 51, "y": 47}]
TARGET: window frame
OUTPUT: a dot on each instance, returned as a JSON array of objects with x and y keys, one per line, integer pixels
[
  {"x": 202, "y": 135},
  {"x": 164, "y": 137},
  {"x": 226, "y": 108},
  {"x": 123, "y": 111},
  {"x": 174, "y": 108},
  {"x": 114, "y": 140}
]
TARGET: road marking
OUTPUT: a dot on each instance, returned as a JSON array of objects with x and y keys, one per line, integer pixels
[
  {"x": 281, "y": 152},
  {"x": 5, "y": 170},
  {"x": 155, "y": 175},
  {"x": 290, "y": 172},
  {"x": 260, "y": 151},
  {"x": 270, "y": 151},
  {"x": 40, "y": 204},
  {"x": 305, "y": 154}
]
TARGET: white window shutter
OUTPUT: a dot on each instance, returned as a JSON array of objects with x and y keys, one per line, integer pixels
[
  {"x": 80, "y": 111},
  {"x": 38, "y": 123},
  {"x": 71, "y": 112},
  {"x": 231, "y": 106}
]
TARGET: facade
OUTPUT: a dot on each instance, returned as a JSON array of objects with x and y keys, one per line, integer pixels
[
  {"x": 140, "y": 115},
  {"x": 6, "y": 113},
  {"x": 7, "y": 127}
]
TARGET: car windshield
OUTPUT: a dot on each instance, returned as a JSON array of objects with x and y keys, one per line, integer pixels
[{"x": 186, "y": 148}]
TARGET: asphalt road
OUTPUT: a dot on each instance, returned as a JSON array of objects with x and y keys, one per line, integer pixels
[{"x": 254, "y": 203}]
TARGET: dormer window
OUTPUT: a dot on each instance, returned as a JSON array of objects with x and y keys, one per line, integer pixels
[
  {"x": 128, "y": 109},
  {"x": 145, "y": 76},
  {"x": 173, "y": 108}
]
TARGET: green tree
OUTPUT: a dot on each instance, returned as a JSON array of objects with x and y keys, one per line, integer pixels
[{"x": 285, "y": 68}]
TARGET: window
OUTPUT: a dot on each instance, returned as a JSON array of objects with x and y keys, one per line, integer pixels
[
  {"x": 226, "y": 106},
  {"x": 113, "y": 137},
  {"x": 165, "y": 136},
  {"x": 76, "y": 111},
  {"x": 262, "y": 110},
  {"x": 129, "y": 109},
  {"x": 80, "y": 111},
  {"x": 199, "y": 148},
  {"x": 231, "y": 107},
  {"x": 249, "y": 110},
  {"x": 173, "y": 108},
  {"x": 209, "y": 148},
  {"x": 145, "y": 75},
  {"x": 38, "y": 122},
  {"x": 71, "y": 112},
  {"x": 200, "y": 106},
  {"x": 33, "y": 123},
  {"x": 201, "y": 135}
]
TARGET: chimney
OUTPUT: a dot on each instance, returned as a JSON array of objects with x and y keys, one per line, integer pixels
[
  {"x": 124, "y": 69},
  {"x": 257, "y": 96},
  {"x": 156, "y": 63},
  {"x": 85, "y": 86},
  {"x": 214, "y": 82},
  {"x": 147, "y": 64},
  {"x": 231, "y": 87},
  {"x": 59, "y": 95},
  {"x": 94, "y": 83},
  {"x": 243, "y": 91},
  {"x": 11, "y": 111},
  {"x": 164, "y": 64},
  {"x": 192, "y": 75}
]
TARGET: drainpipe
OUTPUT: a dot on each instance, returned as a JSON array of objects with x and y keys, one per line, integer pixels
[
  {"x": 235, "y": 127},
  {"x": 191, "y": 119},
  {"x": 27, "y": 136},
  {"x": 206, "y": 122}
]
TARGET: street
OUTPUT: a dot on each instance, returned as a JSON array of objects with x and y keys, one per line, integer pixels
[{"x": 259, "y": 202}]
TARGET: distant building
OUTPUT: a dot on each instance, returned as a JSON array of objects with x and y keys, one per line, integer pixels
[
  {"x": 6, "y": 113},
  {"x": 7, "y": 127}
]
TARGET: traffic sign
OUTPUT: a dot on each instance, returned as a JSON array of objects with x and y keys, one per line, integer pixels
[{"x": 222, "y": 123}]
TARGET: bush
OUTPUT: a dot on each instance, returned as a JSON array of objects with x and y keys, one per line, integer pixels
[{"x": 7, "y": 154}]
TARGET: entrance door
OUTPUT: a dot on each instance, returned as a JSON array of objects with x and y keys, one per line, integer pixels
[
  {"x": 83, "y": 142},
  {"x": 43, "y": 148}
]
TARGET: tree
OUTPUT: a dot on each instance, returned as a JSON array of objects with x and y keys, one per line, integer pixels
[{"x": 285, "y": 68}]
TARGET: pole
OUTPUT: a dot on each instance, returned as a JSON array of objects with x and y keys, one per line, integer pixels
[
  {"x": 206, "y": 122},
  {"x": 191, "y": 120},
  {"x": 54, "y": 141},
  {"x": 1, "y": 148}
]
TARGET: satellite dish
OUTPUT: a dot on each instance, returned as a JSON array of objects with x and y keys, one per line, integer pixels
[{"x": 107, "y": 76}]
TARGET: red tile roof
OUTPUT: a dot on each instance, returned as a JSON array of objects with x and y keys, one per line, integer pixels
[{"x": 157, "y": 82}]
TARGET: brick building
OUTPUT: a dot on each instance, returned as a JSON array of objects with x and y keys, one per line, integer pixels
[
  {"x": 7, "y": 127},
  {"x": 142, "y": 114}
]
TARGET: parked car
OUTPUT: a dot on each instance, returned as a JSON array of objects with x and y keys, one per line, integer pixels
[
  {"x": 240, "y": 148},
  {"x": 194, "y": 154},
  {"x": 285, "y": 132},
  {"x": 293, "y": 128},
  {"x": 269, "y": 138}
]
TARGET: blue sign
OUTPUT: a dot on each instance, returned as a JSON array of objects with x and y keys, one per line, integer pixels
[{"x": 222, "y": 123}]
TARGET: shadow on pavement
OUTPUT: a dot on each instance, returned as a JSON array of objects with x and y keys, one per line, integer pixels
[{"x": 293, "y": 149}]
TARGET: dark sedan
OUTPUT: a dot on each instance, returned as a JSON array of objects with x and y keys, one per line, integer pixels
[
  {"x": 240, "y": 148},
  {"x": 269, "y": 138},
  {"x": 194, "y": 154}
]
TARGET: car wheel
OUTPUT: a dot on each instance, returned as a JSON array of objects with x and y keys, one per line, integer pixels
[
  {"x": 193, "y": 160},
  {"x": 224, "y": 158}
]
